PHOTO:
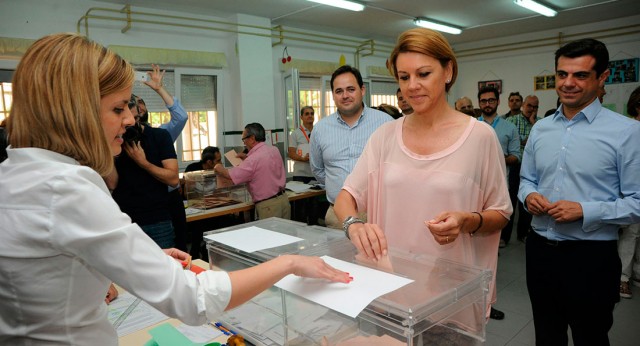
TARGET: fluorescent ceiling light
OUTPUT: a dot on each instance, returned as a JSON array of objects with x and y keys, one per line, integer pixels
[
  {"x": 347, "y": 5},
  {"x": 435, "y": 26},
  {"x": 536, "y": 7}
]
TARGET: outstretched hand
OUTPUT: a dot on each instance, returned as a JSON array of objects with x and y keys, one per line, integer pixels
[{"x": 315, "y": 267}]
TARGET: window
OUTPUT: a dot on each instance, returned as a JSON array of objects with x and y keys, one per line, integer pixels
[
  {"x": 198, "y": 94},
  {"x": 384, "y": 92},
  {"x": 6, "y": 99}
]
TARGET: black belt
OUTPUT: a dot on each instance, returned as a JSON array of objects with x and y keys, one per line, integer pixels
[
  {"x": 272, "y": 197},
  {"x": 563, "y": 243}
]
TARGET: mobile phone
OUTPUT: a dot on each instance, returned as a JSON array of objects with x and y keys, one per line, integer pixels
[{"x": 142, "y": 76}]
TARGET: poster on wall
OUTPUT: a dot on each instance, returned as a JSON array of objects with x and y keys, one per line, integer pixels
[
  {"x": 623, "y": 71},
  {"x": 544, "y": 82},
  {"x": 491, "y": 83}
]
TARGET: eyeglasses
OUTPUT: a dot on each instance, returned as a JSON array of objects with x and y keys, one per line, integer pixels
[
  {"x": 489, "y": 101},
  {"x": 246, "y": 137}
]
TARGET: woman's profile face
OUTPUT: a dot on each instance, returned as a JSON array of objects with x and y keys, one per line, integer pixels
[{"x": 115, "y": 116}]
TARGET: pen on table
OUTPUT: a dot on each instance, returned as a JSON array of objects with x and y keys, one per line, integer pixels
[
  {"x": 223, "y": 328},
  {"x": 224, "y": 331}
]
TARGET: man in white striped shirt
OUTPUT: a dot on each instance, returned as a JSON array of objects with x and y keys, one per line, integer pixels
[{"x": 338, "y": 140}]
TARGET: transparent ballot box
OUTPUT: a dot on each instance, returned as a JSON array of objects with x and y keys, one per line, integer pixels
[
  {"x": 206, "y": 190},
  {"x": 444, "y": 305}
]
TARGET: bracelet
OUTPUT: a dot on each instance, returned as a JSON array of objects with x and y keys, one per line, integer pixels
[{"x": 479, "y": 224}]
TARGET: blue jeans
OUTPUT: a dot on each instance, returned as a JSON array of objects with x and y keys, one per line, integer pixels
[{"x": 161, "y": 232}]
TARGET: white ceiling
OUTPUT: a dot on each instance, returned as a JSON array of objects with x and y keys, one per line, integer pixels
[{"x": 383, "y": 20}]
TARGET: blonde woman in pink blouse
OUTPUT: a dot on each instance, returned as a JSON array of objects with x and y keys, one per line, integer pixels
[{"x": 432, "y": 182}]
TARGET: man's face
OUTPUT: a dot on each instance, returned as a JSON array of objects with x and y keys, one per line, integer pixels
[
  {"x": 403, "y": 103},
  {"x": 464, "y": 105},
  {"x": 576, "y": 82},
  {"x": 488, "y": 103},
  {"x": 141, "y": 106},
  {"x": 515, "y": 102},
  {"x": 347, "y": 94},
  {"x": 247, "y": 140},
  {"x": 530, "y": 108},
  {"x": 307, "y": 117}
]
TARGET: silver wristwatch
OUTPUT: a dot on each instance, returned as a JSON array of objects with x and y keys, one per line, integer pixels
[{"x": 350, "y": 220}]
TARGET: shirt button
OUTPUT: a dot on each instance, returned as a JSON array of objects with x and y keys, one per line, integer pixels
[{"x": 563, "y": 148}]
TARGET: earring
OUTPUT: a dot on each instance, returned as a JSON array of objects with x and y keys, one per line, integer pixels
[{"x": 448, "y": 81}]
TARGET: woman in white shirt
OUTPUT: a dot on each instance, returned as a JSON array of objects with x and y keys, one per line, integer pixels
[{"x": 62, "y": 237}]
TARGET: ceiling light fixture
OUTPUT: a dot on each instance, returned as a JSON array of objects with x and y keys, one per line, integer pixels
[
  {"x": 536, "y": 7},
  {"x": 436, "y": 26},
  {"x": 347, "y": 5}
]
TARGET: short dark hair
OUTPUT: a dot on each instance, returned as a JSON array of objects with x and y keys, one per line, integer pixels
[
  {"x": 489, "y": 89},
  {"x": 305, "y": 107},
  {"x": 515, "y": 93},
  {"x": 587, "y": 46},
  {"x": 257, "y": 131},
  {"x": 209, "y": 156},
  {"x": 210, "y": 149},
  {"x": 634, "y": 101},
  {"x": 347, "y": 69}
]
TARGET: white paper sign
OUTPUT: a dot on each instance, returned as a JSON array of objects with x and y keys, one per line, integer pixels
[{"x": 253, "y": 239}]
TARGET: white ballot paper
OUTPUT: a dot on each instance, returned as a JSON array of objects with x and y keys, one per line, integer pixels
[
  {"x": 297, "y": 187},
  {"x": 231, "y": 155},
  {"x": 349, "y": 299},
  {"x": 251, "y": 239}
]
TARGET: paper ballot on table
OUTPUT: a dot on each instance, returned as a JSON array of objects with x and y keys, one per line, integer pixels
[
  {"x": 251, "y": 239},
  {"x": 349, "y": 299},
  {"x": 297, "y": 187},
  {"x": 231, "y": 156}
]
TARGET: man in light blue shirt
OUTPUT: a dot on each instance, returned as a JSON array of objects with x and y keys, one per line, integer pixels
[
  {"x": 338, "y": 140},
  {"x": 579, "y": 179},
  {"x": 489, "y": 99}
]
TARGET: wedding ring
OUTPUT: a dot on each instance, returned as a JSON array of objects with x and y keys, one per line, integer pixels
[{"x": 447, "y": 239}]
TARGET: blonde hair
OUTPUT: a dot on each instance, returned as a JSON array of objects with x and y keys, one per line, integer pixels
[
  {"x": 427, "y": 42},
  {"x": 57, "y": 89}
]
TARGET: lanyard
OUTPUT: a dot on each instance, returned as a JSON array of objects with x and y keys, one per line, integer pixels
[{"x": 304, "y": 133}]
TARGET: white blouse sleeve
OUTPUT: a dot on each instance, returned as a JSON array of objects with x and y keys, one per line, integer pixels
[{"x": 86, "y": 223}]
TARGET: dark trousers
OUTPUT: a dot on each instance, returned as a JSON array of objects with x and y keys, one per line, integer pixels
[
  {"x": 305, "y": 210},
  {"x": 178, "y": 219},
  {"x": 572, "y": 284},
  {"x": 514, "y": 181},
  {"x": 524, "y": 221}
]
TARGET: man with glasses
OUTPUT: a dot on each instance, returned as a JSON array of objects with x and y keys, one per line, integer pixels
[
  {"x": 338, "y": 140},
  {"x": 489, "y": 99},
  {"x": 465, "y": 106},
  {"x": 263, "y": 171}
]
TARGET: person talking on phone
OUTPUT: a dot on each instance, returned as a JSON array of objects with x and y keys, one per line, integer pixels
[
  {"x": 154, "y": 80},
  {"x": 146, "y": 166}
]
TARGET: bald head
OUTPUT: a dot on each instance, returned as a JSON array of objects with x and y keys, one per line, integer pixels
[
  {"x": 465, "y": 106},
  {"x": 530, "y": 106}
]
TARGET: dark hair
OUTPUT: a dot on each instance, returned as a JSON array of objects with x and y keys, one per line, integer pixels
[
  {"x": 587, "y": 46},
  {"x": 208, "y": 156},
  {"x": 305, "y": 107},
  {"x": 634, "y": 101},
  {"x": 347, "y": 69},
  {"x": 515, "y": 93},
  {"x": 389, "y": 109},
  {"x": 489, "y": 89},
  {"x": 211, "y": 150},
  {"x": 257, "y": 131}
]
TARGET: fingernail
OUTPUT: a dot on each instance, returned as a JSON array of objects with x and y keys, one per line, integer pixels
[
  {"x": 384, "y": 252},
  {"x": 351, "y": 278}
]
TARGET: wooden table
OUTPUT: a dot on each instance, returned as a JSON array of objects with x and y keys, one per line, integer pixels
[
  {"x": 142, "y": 336},
  {"x": 248, "y": 206}
]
